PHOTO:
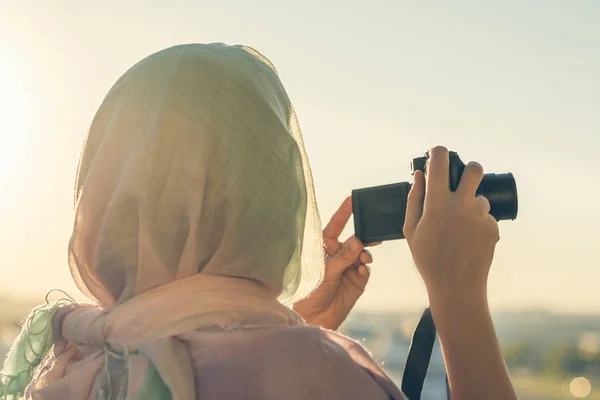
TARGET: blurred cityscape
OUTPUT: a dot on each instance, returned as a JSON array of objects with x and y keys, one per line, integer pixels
[{"x": 550, "y": 356}]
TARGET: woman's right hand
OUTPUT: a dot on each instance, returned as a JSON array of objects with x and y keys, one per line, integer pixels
[
  {"x": 451, "y": 235},
  {"x": 452, "y": 238}
]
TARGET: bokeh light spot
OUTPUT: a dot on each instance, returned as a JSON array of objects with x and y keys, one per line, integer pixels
[{"x": 580, "y": 387}]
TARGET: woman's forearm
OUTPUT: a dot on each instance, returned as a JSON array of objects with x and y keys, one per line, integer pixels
[{"x": 474, "y": 361}]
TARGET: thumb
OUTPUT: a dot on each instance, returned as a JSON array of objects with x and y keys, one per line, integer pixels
[
  {"x": 414, "y": 204},
  {"x": 346, "y": 257}
]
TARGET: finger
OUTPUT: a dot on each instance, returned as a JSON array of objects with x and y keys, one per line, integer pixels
[
  {"x": 364, "y": 270},
  {"x": 482, "y": 204},
  {"x": 358, "y": 277},
  {"x": 414, "y": 204},
  {"x": 336, "y": 225},
  {"x": 470, "y": 179},
  {"x": 366, "y": 257},
  {"x": 372, "y": 244},
  {"x": 438, "y": 175},
  {"x": 331, "y": 247},
  {"x": 347, "y": 256}
]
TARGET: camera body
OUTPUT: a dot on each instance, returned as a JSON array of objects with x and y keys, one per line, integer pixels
[{"x": 379, "y": 211}]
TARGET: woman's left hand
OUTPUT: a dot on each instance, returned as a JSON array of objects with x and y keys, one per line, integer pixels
[{"x": 346, "y": 275}]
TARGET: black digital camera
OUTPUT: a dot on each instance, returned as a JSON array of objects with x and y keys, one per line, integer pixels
[{"x": 379, "y": 211}]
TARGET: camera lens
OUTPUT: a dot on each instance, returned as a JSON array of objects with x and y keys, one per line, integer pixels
[{"x": 501, "y": 192}]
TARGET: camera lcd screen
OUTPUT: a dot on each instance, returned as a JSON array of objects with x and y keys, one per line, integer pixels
[{"x": 379, "y": 212}]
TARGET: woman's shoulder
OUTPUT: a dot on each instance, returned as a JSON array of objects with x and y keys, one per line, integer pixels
[
  {"x": 307, "y": 360},
  {"x": 330, "y": 343},
  {"x": 342, "y": 360}
]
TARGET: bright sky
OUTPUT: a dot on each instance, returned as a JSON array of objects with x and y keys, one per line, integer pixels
[{"x": 512, "y": 84}]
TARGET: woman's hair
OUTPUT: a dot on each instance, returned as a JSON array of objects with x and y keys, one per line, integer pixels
[{"x": 194, "y": 163}]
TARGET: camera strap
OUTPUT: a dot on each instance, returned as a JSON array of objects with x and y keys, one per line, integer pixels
[{"x": 419, "y": 357}]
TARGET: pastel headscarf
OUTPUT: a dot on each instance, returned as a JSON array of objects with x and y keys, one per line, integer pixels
[{"x": 195, "y": 163}]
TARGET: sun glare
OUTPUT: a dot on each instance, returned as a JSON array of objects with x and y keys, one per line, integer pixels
[{"x": 15, "y": 115}]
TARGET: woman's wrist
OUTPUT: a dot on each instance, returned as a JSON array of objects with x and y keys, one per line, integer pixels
[
  {"x": 450, "y": 296},
  {"x": 450, "y": 308}
]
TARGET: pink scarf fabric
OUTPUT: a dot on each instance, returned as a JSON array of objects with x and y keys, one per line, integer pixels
[{"x": 199, "y": 344}]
